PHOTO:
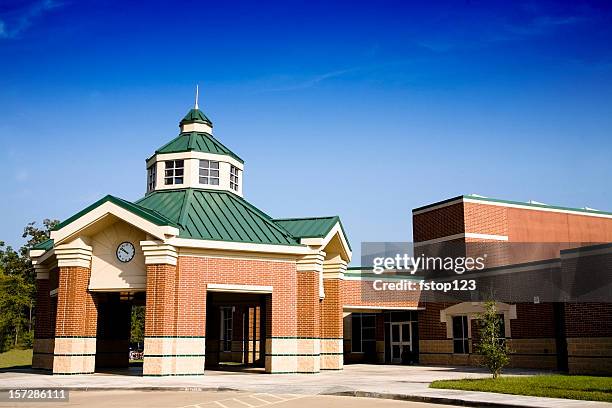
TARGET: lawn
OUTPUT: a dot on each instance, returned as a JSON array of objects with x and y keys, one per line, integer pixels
[
  {"x": 16, "y": 358},
  {"x": 555, "y": 386}
]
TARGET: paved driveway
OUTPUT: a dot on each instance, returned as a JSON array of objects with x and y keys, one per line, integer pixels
[
  {"x": 215, "y": 399},
  {"x": 382, "y": 381},
  {"x": 364, "y": 377}
]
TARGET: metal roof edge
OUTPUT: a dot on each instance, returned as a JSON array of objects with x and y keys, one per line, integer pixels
[
  {"x": 143, "y": 212},
  {"x": 510, "y": 202}
]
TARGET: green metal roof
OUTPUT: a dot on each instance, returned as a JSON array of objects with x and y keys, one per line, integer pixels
[
  {"x": 45, "y": 245},
  {"x": 199, "y": 142},
  {"x": 312, "y": 227},
  {"x": 195, "y": 116},
  {"x": 216, "y": 215},
  {"x": 526, "y": 204},
  {"x": 146, "y": 213}
]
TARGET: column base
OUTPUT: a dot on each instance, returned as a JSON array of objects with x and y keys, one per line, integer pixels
[
  {"x": 42, "y": 356},
  {"x": 174, "y": 356},
  {"x": 74, "y": 355},
  {"x": 332, "y": 355}
]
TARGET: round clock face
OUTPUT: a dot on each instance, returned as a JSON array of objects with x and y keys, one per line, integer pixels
[{"x": 125, "y": 251}]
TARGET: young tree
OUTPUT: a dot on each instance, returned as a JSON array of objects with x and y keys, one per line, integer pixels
[
  {"x": 138, "y": 320},
  {"x": 492, "y": 346},
  {"x": 17, "y": 288}
]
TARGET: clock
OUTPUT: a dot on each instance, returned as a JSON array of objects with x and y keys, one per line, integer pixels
[{"x": 125, "y": 252}]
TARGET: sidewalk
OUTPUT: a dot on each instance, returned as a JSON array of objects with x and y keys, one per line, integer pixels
[{"x": 392, "y": 382}]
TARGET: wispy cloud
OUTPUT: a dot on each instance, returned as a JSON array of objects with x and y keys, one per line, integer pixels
[
  {"x": 543, "y": 25},
  {"x": 311, "y": 82},
  {"x": 490, "y": 29},
  {"x": 16, "y": 20}
]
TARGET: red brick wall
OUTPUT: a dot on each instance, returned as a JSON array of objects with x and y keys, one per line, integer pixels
[
  {"x": 485, "y": 219},
  {"x": 362, "y": 293},
  {"x": 161, "y": 301},
  {"x": 43, "y": 328},
  {"x": 308, "y": 304},
  {"x": 588, "y": 319},
  {"x": 331, "y": 310},
  {"x": 430, "y": 327},
  {"x": 533, "y": 321},
  {"x": 76, "y": 307},
  {"x": 282, "y": 276},
  {"x": 438, "y": 223}
]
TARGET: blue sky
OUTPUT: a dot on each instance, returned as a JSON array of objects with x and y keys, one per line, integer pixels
[{"x": 361, "y": 109}]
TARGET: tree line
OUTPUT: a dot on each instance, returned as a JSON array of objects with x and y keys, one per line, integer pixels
[{"x": 18, "y": 288}]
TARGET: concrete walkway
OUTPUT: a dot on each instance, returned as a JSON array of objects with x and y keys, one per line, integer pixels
[{"x": 392, "y": 382}]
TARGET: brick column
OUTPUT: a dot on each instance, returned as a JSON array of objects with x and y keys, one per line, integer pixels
[
  {"x": 175, "y": 317},
  {"x": 77, "y": 315},
  {"x": 280, "y": 318},
  {"x": 332, "y": 357},
  {"x": 309, "y": 272},
  {"x": 44, "y": 331}
]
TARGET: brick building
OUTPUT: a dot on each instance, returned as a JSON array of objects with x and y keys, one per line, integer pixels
[
  {"x": 221, "y": 281},
  {"x": 534, "y": 249}
]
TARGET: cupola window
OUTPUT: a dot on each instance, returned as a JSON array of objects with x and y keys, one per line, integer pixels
[
  {"x": 151, "y": 177},
  {"x": 209, "y": 172},
  {"x": 175, "y": 171},
  {"x": 234, "y": 178}
]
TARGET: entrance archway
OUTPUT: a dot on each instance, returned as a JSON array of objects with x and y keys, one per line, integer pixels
[{"x": 236, "y": 331}]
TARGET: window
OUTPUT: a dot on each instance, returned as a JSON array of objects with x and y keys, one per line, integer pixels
[
  {"x": 209, "y": 172},
  {"x": 175, "y": 170},
  {"x": 461, "y": 343},
  {"x": 363, "y": 337},
  {"x": 151, "y": 177},
  {"x": 501, "y": 328},
  {"x": 227, "y": 323},
  {"x": 234, "y": 178}
]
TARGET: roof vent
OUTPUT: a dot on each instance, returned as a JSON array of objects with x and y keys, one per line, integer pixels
[
  {"x": 590, "y": 209},
  {"x": 536, "y": 202}
]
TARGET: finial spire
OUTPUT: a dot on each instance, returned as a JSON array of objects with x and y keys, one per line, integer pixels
[{"x": 197, "y": 96}]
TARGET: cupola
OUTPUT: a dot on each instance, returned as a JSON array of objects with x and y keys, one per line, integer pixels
[{"x": 195, "y": 159}]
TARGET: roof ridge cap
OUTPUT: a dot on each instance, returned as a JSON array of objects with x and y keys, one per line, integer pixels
[{"x": 308, "y": 218}]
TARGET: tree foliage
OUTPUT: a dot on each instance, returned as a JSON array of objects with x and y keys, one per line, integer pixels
[
  {"x": 138, "y": 320},
  {"x": 491, "y": 346},
  {"x": 17, "y": 288}
]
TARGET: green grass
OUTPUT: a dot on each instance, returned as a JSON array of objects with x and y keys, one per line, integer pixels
[
  {"x": 16, "y": 358},
  {"x": 554, "y": 386}
]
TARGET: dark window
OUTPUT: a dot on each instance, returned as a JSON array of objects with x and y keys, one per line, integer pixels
[
  {"x": 234, "y": 178},
  {"x": 174, "y": 172},
  {"x": 209, "y": 172},
  {"x": 461, "y": 343},
  {"x": 363, "y": 332},
  {"x": 151, "y": 177}
]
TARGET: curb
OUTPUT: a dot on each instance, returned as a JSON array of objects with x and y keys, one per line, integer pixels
[
  {"x": 426, "y": 399},
  {"x": 143, "y": 388}
]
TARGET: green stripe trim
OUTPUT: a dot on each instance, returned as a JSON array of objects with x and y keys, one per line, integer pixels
[
  {"x": 292, "y": 355},
  {"x": 175, "y": 337},
  {"x": 75, "y": 355},
  {"x": 172, "y": 375},
  {"x": 173, "y": 355},
  {"x": 86, "y": 372},
  {"x": 332, "y": 354}
]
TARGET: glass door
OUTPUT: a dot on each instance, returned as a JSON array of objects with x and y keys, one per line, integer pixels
[{"x": 401, "y": 340}]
